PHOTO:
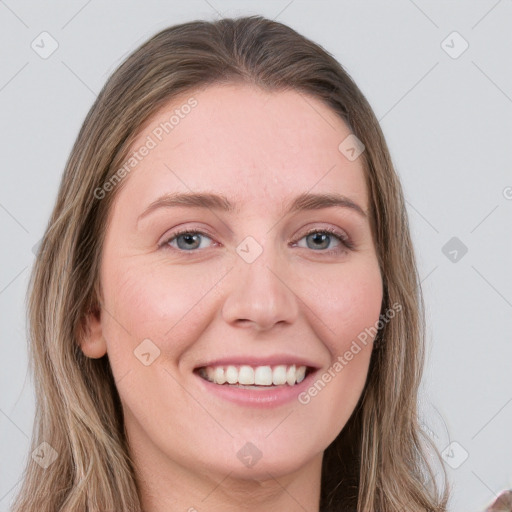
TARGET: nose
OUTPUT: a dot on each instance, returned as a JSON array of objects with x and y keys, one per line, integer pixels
[{"x": 260, "y": 294}]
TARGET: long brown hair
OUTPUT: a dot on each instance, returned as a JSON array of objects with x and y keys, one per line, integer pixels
[{"x": 379, "y": 461}]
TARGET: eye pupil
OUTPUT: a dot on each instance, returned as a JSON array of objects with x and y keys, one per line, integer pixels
[
  {"x": 323, "y": 237},
  {"x": 189, "y": 237}
]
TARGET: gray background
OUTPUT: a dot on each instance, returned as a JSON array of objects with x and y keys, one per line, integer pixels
[{"x": 447, "y": 118}]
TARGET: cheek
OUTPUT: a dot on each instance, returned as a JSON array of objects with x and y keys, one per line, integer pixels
[
  {"x": 349, "y": 307},
  {"x": 346, "y": 301},
  {"x": 147, "y": 301}
]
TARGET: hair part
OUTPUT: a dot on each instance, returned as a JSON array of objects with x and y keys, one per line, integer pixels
[{"x": 378, "y": 462}]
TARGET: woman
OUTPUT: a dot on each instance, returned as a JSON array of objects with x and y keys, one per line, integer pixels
[{"x": 256, "y": 370}]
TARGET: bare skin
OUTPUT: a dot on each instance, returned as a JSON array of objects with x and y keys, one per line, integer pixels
[{"x": 301, "y": 297}]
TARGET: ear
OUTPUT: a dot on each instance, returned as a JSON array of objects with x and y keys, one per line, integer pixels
[{"x": 92, "y": 342}]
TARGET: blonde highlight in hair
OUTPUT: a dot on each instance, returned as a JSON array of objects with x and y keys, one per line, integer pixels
[{"x": 378, "y": 462}]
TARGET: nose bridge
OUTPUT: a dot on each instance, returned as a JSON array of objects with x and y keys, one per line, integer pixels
[{"x": 259, "y": 293}]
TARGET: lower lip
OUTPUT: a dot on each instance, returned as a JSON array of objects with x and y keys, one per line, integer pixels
[{"x": 266, "y": 397}]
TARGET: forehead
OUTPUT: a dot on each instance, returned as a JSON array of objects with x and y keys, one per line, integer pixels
[{"x": 246, "y": 143}]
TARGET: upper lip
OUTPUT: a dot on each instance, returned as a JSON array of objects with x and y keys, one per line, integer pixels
[{"x": 273, "y": 360}]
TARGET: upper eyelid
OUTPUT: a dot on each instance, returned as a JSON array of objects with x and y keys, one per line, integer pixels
[
  {"x": 202, "y": 231},
  {"x": 180, "y": 232}
]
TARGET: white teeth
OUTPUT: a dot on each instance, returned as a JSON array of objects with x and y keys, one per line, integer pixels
[
  {"x": 301, "y": 373},
  {"x": 290, "y": 375},
  {"x": 246, "y": 375},
  {"x": 210, "y": 372},
  {"x": 259, "y": 375},
  {"x": 218, "y": 375},
  {"x": 279, "y": 375},
  {"x": 263, "y": 376},
  {"x": 231, "y": 375}
]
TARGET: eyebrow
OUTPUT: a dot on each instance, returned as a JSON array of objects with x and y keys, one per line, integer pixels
[{"x": 305, "y": 201}]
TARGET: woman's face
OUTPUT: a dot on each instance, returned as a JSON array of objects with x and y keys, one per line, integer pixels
[{"x": 261, "y": 288}]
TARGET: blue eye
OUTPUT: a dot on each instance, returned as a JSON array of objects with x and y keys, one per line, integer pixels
[
  {"x": 189, "y": 240},
  {"x": 188, "y": 237},
  {"x": 326, "y": 235}
]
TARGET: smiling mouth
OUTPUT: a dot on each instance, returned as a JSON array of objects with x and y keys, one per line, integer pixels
[{"x": 255, "y": 377}]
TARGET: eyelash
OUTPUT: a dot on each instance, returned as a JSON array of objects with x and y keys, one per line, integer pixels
[{"x": 346, "y": 244}]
